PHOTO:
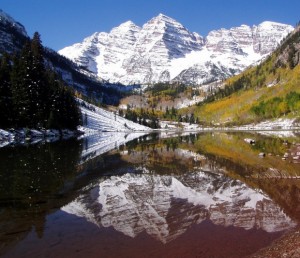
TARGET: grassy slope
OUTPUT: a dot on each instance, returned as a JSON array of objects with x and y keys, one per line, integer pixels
[{"x": 236, "y": 108}]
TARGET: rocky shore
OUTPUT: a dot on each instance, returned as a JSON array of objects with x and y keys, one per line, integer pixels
[
  {"x": 288, "y": 246},
  {"x": 25, "y": 135}
]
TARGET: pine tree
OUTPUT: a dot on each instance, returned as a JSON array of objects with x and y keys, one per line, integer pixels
[
  {"x": 192, "y": 119},
  {"x": 31, "y": 96},
  {"x": 38, "y": 80},
  {"x": 19, "y": 86},
  {"x": 5, "y": 93},
  {"x": 64, "y": 112},
  {"x": 167, "y": 111}
]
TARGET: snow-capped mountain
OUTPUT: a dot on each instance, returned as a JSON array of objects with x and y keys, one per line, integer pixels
[
  {"x": 164, "y": 50},
  {"x": 12, "y": 33},
  {"x": 166, "y": 206}
]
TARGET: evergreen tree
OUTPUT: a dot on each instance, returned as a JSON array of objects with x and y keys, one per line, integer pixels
[
  {"x": 19, "y": 86},
  {"x": 192, "y": 119},
  {"x": 38, "y": 81},
  {"x": 167, "y": 111},
  {"x": 64, "y": 112},
  {"x": 173, "y": 112},
  {"x": 5, "y": 93},
  {"x": 31, "y": 96}
]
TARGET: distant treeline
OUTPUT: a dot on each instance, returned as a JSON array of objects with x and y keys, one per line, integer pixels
[
  {"x": 32, "y": 95},
  {"x": 167, "y": 89}
]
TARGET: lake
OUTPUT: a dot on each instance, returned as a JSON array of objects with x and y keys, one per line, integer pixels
[{"x": 159, "y": 195}]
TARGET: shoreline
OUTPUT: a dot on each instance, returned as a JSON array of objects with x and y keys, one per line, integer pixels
[{"x": 31, "y": 136}]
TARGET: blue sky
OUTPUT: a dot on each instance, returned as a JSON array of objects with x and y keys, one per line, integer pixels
[{"x": 65, "y": 22}]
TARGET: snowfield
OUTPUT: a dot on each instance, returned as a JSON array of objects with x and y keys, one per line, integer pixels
[
  {"x": 97, "y": 119},
  {"x": 276, "y": 124},
  {"x": 268, "y": 125}
]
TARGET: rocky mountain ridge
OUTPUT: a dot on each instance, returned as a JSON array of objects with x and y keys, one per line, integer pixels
[
  {"x": 164, "y": 50},
  {"x": 12, "y": 33}
]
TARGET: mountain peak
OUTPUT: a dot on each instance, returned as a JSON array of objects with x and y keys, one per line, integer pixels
[
  {"x": 271, "y": 24},
  {"x": 162, "y": 18},
  {"x": 5, "y": 17},
  {"x": 127, "y": 24},
  {"x": 274, "y": 27},
  {"x": 126, "y": 27}
]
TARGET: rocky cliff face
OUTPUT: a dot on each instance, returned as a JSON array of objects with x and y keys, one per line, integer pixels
[
  {"x": 164, "y": 50},
  {"x": 166, "y": 206},
  {"x": 12, "y": 34}
]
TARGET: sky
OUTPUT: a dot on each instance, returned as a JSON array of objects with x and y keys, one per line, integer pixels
[{"x": 64, "y": 22}]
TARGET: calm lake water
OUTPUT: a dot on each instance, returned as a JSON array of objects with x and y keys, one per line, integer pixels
[{"x": 194, "y": 195}]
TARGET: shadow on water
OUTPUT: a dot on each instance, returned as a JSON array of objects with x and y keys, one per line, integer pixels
[
  {"x": 33, "y": 180},
  {"x": 193, "y": 193}
]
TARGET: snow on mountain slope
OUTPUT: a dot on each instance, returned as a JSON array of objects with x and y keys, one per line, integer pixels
[
  {"x": 104, "y": 50},
  {"x": 7, "y": 20},
  {"x": 266, "y": 33},
  {"x": 165, "y": 206},
  {"x": 98, "y": 119},
  {"x": 164, "y": 50},
  {"x": 12, "y": 33}
]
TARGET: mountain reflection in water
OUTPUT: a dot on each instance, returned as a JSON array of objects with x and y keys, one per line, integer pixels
[
  {"x": 165, "y": 206},
  {"x": 180, "y": 196}
]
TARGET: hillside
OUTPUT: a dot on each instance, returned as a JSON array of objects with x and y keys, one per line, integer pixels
[
  {"x": 98, "y": 119},
  {"x": 267, "y": 91},
  {"x": 13, "y": 37}
]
